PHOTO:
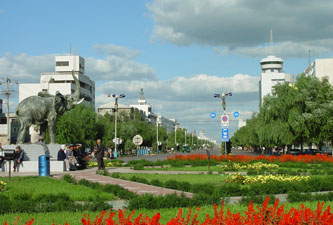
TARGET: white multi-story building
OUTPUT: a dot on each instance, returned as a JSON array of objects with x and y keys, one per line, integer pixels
[
  {"x": 168, "y": 124},
  {"x": 142, "y": 105},
  {"x": 61, "y": 80},
  {"x": 271, "y": 75},
  {"x": 145, "y": 109},
  {"x": 321, "y": 68},
  {"x": 110, "y": 108}
]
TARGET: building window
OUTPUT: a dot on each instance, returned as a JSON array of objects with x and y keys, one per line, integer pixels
[
  {"x": 62, "y": 63},
  {"x": 272, "y": 62}
]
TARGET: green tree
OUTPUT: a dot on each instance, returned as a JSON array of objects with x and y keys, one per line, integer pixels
[{"x": 77, "y": 126}]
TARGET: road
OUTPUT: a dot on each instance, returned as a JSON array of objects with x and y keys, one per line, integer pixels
[{"x": 163, "y": 156}]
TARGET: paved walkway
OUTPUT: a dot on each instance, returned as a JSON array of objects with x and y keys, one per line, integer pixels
[{"x": 90, "y": 175}]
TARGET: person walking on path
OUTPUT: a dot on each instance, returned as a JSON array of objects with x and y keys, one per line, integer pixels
[{"x": 99, "y": 154}]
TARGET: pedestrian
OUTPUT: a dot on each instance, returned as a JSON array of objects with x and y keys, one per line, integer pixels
[
  {"x": 99, "y": 154},
  {"x": 63, "y": 157},
  {"x": 18, "y": 158},
  {"x": 35, "y": 137},
  {"x": 2, "y": 155}
]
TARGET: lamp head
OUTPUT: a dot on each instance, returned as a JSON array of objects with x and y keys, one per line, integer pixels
[
  {"x": 122, "y": 96},
  {"x": 217, "y": 95}
]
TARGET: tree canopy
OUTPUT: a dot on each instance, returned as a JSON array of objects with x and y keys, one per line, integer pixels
[{"x": 296, "y": 114}]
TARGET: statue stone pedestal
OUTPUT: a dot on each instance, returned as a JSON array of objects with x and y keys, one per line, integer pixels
[{"x": 31, "y": 154}]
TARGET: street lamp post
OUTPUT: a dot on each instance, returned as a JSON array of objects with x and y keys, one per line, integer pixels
[
  {"x": 224, "y": 106},
  {"x": 116, "y": 97}
]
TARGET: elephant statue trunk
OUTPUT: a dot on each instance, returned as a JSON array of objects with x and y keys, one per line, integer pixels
[{"x": 44, "y": 109}]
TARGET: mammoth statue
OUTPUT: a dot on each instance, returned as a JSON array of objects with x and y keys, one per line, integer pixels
[{"x": 44, "y": 109}]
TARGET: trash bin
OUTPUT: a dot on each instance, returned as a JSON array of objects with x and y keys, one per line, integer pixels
[{"x": 44, "y": 165}]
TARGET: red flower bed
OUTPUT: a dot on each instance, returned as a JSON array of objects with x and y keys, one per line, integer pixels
[
  {"x": 247, "y": 158},
  {"x": 264, "y": 215}
]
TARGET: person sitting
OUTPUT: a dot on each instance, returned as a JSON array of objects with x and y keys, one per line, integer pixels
[
  {"x": 71, "y": 158},
  {"x": 63, "y": 157},
  {"x": 2, "y": 155},
  {"x": 109, "y": 154},
  {"x": 35, "y": 137},
  {"x": 18, "y": 158}
]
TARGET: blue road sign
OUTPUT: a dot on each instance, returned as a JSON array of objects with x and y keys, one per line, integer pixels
[
  {"x": 225, "y": 134},
  {"x": 212, "y": 115},
  {"x": 236, "y": 114}
]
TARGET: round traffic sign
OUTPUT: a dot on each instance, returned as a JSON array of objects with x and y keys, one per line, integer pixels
[
  {"x": 213, "y": 115},
  {"x": 236, "y": 114},
  {"x": 224, "y": 118},
  {"x": 137, "y": 140}
]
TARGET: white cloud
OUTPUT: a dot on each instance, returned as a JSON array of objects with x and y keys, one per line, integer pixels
[
  {"x": 240, "y": 22},
  {"x": 286, "y": 49},
  {"x": 118, "y": 68},
  {"x": 118, "y": 64},
  {"x": 190, "y": 100},
  {"x": 116, "y": 50},
  {"x": 195, "y": 88},
  {"x": 25, "y": 68}
]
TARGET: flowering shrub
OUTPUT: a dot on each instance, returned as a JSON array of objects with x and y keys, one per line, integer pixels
[
  {"x": 106, "y": 163},
  {"x": 2, "y": 185},
  {"x": 263, "y": 215},
  {"x": 237, "y": 178},
  {"x": 246, "y": 166},
  {"x": 248, "y": 158}
]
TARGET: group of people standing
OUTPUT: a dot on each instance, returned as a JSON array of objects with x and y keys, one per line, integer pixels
[{"x": 73, "y": 156}]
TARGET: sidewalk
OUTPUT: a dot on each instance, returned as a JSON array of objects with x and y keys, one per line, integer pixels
[{"x": 90, "y": 175}]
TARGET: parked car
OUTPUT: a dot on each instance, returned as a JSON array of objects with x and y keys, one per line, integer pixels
[
  {"x": 294, "y": 151},
  {"x": 185, "y": 148},
  {"x": 326, "y": 150}
]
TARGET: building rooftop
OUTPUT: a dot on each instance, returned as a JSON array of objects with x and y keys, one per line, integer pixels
[{"x": 110, "y": 105}]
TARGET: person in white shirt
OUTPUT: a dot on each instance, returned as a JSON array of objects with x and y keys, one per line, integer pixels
[{"x": 35, "y": 137}]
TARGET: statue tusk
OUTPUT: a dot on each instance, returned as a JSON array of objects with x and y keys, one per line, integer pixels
[{"x": 80, "y": 101}]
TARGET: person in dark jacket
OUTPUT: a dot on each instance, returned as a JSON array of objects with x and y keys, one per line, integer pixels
[
  {"x": 99, "y": 154},
  {"x": 18, "y": 158},
  {"x": 63, "y": 157}
]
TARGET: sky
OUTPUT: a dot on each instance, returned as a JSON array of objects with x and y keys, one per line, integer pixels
[{"x": 180, "y": 52}]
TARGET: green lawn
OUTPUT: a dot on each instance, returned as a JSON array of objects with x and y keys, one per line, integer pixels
[
  {"x": 166, "y": 214},
  {"x": 46, "y": 185},
  {"x": 191, "y": 178}
]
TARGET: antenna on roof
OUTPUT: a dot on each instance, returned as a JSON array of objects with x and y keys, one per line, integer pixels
[
  {"x": 271, "y": 43},
  {"x": 70, "y": 48}
]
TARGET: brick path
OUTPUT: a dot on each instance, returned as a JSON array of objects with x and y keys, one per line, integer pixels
[{"x": 90, "y": 175}]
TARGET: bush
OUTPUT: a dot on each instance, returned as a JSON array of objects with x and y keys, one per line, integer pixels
[
  {"x": 68, "y": 178},
  {"x": 257, "y": 199}
]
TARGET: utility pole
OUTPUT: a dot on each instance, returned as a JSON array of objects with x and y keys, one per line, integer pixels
[{"x": 7, "y": 93}]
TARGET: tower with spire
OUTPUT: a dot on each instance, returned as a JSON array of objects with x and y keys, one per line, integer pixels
[{"x": 271, "y": 73}]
